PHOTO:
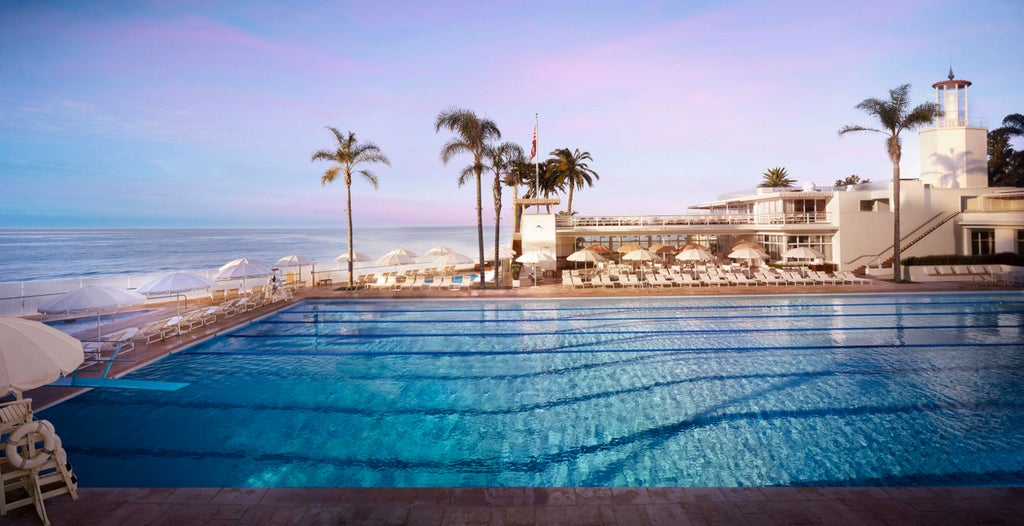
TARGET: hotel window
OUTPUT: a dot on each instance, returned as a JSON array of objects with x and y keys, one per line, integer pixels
[
  {"x": 809, "y": 210},
  {"x": 1020, "y": 242},
  {"x": 982, "y": 242}
]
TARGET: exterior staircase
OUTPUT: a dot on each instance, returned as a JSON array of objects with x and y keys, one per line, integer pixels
[{"x": 908, "y": 240}]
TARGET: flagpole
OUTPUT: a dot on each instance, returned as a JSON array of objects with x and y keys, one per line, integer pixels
[{"x": 536, "y": 177}]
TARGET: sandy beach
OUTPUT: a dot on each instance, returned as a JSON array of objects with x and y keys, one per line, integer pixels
[{"x": 518, "y": 505}]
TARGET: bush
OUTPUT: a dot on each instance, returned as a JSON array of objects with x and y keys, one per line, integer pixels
[{"x": 1003, "y": 258}]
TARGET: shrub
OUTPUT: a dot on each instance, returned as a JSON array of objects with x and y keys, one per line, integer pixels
[{"x": 1003, "y": 258}]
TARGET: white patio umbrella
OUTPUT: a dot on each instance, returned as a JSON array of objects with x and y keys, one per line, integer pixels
[
  {"x": 243, "y": 269},
  {"x": 402, "y": 252},
  {"x": 92, "y": 299},
  {"x": 294, "y": 260},
  {"x": 695, "y": 254},
  {"x": 175, "y": 283},
  {"x": 747, "y": 253},
  {"x": 33, "y": 354},
  {"x": 394, "y": 259},
  {"x": 452, "y": 259},
  {"x": 506, "y": 252},
  {"x": 640, "y": 255},
  {"x": 438, "y": 251},
  {"x": 802, "y": 253},
  {"x": 357, "y": 257},
  {"x": 534, "y": 257},
  {"x": 585, "y": 256}
]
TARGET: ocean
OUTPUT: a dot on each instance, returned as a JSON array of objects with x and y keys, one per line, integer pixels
[{"x": 28, "y": 255}]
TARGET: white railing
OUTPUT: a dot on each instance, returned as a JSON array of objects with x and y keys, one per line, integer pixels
[{"x": 568, "y": 222}]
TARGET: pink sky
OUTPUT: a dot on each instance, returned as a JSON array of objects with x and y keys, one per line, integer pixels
[{"x": 206, "y": 113}]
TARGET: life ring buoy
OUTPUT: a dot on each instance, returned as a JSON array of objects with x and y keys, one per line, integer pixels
[{"x": 41, "y": 427}]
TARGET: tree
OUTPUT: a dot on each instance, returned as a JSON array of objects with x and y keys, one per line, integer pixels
[
  {"x": 894, "y": 116},
  {"x": 521, "y": 173},
  {"x": 348, "y": 154},
  {"x": 570, "y": 171},
  {"x": 548, "y": 182},
  {"x": 1014, "y": 122},
  {"x": 1005, "y": 164},
  {"x": 776, "y": 177},
  {"x": 504, "y": 158},
  {"x": 851, "y": 180},
  {"x": 473, "y": 135}
]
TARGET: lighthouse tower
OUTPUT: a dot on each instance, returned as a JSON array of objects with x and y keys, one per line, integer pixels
[{"x": 954, "y": 154}]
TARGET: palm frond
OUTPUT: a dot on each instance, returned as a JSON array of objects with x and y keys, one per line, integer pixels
[{"x": 370, "y": 178}]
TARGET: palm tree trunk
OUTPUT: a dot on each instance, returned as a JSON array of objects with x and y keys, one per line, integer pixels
[
  {"x": 480, "y": 225},
  {"x": 497, "y": 226},
  {"x": 348, "y": 214},
  {"x": 897, "y": 274},
  {"x": 516, "y": 210},
  {"x": 568, "y": 210},
  {"x": 895, "y": 153}
]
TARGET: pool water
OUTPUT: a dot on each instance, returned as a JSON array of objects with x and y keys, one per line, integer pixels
[{"x": 845, "y": 390}]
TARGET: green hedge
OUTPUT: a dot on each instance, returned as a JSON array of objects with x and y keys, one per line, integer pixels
[{"x": 1004, "y": 258}]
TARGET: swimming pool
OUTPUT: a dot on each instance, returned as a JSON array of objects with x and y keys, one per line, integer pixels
[{"x": 698, "y": 391}]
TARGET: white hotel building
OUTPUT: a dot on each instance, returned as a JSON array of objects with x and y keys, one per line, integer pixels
[{"x": 948, "y": 209}]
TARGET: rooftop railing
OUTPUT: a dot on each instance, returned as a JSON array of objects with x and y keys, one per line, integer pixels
[{"x": 568, "y": 222}]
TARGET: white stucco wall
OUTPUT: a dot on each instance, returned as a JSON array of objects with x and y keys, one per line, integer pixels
[
  {"x": 954, "y": 157},
  {"x": 538, "y": 233}
]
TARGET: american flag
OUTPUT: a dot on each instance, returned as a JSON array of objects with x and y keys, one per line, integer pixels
[{"x": 533, "y": 150}]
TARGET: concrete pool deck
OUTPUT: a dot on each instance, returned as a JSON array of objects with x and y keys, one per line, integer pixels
[{"x": 599, "y": 506}]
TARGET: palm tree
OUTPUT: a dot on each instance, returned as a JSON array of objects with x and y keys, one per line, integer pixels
[
  {"x": 545, "y": 181},
  {"x": 776, "y": 177},
  {"x": 348, "y": 154},
  {"x": 1005, "y": 164},
  {"x": 521, "y": 173},
  {"x": 473, "y": 135},
  {"x": 504, "y": 159},
  {"x": 571, "y": 171},
  {"x": 895, "y": 116},
  {"x": 1014, "y": 124},
  {"x": 851, "y": 180}
]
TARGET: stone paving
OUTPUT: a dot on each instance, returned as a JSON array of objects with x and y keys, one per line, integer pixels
[
  {"x": 524, "y": 506},
  {"x": 529, "y": 506}
]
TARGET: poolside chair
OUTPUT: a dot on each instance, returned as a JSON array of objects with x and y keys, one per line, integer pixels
[
  {"x": 566, "y": 279},
  {"x": 852, "y": 278},
  {"x": 713, "y": 279},
  {"x": 821, "y": 277},
  {"x": 769, "y": 278},
  {"x": 122, "y": 339},
  {"x": 685, "y": 278},
  {"x": 157, "y": 330},
  {"x": 797, "y": 279},
  {"x": 199, "y": 318},
  {"x": 742, "y": 279}
]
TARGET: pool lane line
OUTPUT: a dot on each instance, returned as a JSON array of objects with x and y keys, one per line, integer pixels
[
  {"x": 643, "y": 320},
  {"x": 560, "y": 350},
  {"x": 590, "y": 331},
  {"x": 647, "y": 308}
]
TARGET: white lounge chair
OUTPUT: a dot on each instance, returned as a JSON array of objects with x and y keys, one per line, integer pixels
[{"x": 120, "y": 339}]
